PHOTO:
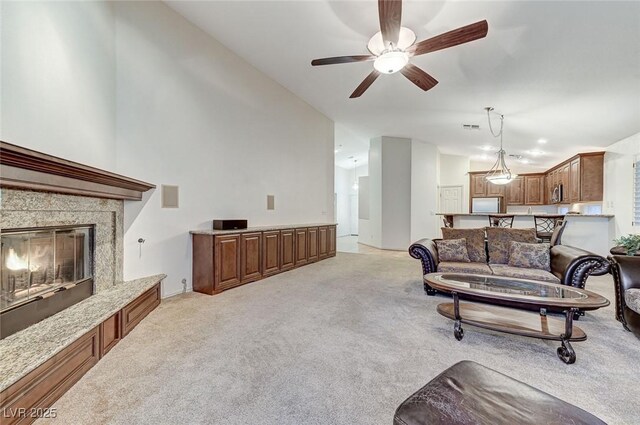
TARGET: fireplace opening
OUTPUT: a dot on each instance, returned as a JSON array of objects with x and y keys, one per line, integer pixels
[{"x": 43, "y": 271}]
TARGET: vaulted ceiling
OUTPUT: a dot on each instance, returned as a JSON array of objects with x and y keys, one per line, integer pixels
[{"x": 567, "y": 72}]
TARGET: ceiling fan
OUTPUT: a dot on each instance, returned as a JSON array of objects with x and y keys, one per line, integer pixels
[{"x": 394, "y": 45}]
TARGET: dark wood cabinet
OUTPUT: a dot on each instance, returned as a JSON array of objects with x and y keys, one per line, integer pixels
[
  {"x": 574, "y": 180},
  {"x": 515, "y": 191},
  {"x": 331, "y": 240},
  {"x": 312, "y": 245},
  {"x": 271, "y": 253},
  {"x": 534, "y": 189},
  {"x": 40, "y": 388},
  {"x": 250, "y": 257},
  {"x": 578, "y": 179},
  {"x": 110, "y": 333},
  {"x": 323, "y": 245},
  {"x": 591, "y": 177},
  {"x": 301, "y": 247},
  {"x": 227, "y": 261},
  {"x": 287, "y": 251},
  {"x": 136, "y": 310},
  {"x": 224, "y": 260},
  {"x": 495, "y": 189},
  {"x": 478, "y": 185}
]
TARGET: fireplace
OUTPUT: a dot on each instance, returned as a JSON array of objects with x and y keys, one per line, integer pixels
[{"x": 43, "y": 271}]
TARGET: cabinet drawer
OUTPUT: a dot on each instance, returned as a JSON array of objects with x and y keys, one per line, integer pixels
[{"x": 138, "y": 309}]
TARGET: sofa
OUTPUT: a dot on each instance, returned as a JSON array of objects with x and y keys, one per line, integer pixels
[
  {"x": 489, "y": 250},
  {"x": 626, "y": 276}
]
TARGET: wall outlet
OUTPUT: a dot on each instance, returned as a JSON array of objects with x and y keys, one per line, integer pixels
[{"x": 184, "y": 285}]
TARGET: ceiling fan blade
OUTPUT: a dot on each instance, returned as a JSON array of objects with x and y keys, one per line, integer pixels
[
  {"x": 364, "y": 85},
  {"x": 342, "y": 59},
  {"x": 390, "y": 12},
  {"x": 449, "y": 39},
  {"x": 418, "y": 77}
]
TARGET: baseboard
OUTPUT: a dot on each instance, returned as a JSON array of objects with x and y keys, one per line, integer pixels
[{"x": 173, "y": 294}]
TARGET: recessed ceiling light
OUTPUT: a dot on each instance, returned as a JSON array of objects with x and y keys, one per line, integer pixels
[
  {"x": 338, "y": 149},
  {"x": 487, "y": 148},
  {"x": 542, "y": 141},
  {"x": 524, "y": 161},
  {"x": 535, "y": 152}
]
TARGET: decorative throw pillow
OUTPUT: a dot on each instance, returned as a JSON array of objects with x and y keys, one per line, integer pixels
[
  {"x": 453, "y": 250},
  {"x": 530, "y": 255},
  {"x": 475, "y": 242},
  {"x": 500, "y": 238}
]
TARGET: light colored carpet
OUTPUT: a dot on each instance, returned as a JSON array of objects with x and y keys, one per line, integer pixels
[{"x": 343, "y": 341}]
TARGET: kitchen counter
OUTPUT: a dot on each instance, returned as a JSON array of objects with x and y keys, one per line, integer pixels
[
  {"x": 591, "y": 232},
  {"x": 24, "y": 351},
  {"x": 259, "y": 229},
  {"x": 524, "y": 215}
]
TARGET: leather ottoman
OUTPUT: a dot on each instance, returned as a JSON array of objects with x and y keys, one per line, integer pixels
[{"x": 469, "y": 393}]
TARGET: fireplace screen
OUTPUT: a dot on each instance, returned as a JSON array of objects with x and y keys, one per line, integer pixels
[{"x": 39, "y": 263}]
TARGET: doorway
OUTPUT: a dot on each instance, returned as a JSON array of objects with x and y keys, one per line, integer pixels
[{"x": 451, "y": 199}]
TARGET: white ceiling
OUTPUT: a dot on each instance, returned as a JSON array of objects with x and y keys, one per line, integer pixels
[{"x": 568, "y": 72}]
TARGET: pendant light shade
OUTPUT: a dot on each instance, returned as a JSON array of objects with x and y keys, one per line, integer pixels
[{"x": 499, "y": 173}]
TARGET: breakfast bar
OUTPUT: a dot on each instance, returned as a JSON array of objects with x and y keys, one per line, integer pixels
[{"x": 592, "y": 232}]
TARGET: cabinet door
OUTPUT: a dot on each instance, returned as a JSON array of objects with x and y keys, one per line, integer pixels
[
  {"x": 250, "y": 257},
  {"x": 534, "y": 190},
  {"x": 301, "y": 247},
  {"x": 323, "y": 242},
  {"x": 227, "y": 262},
  {"x": 331, "y": 235},
  {"x": 312, "y": 244},
  {"x": 515, "y": 192},
  {"x": 478, "y": 185},
  {"x": 271, "y": 253},
  {"x": 287, "y": 251},
  {"x": 564, "y": 181},
  {"x": 574, "y": 180},
  {"x": 495, "y": 189},
  {"x": 591, "y": 178}
]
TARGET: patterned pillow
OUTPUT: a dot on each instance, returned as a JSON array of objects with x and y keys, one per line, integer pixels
[
  {"x": 499, "y": 240},
  {"x": 475, "y": 242},
  {"x": 530, "y": 255},
  {"x": 453, "y": 250}
]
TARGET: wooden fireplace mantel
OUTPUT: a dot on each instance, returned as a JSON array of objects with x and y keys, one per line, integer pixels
[{"x": 23, "y": 168}]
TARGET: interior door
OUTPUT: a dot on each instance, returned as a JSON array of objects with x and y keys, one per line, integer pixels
[{"x": 451, "y": 199}]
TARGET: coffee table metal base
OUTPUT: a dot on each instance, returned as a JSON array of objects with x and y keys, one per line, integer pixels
[{"x": 516, "y": 322}]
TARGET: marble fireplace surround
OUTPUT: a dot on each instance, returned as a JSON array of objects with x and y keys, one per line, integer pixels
[
  {"x": 41, "y": 190},
  {"x": 25, "y": 208}
]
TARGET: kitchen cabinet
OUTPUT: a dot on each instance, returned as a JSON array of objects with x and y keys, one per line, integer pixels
[
  {"x": 515, "y": 192},
  {"x": 495, "y": 189},
  {"x": 270, "y": 253},
  {"x": 301, "y": 247},
  {"x": 250, "y": 257},
  {"x": 534, "y": 189},
  {"x": 227, "y": 261},
  {"x": 580, "y": 177},
  {"x": 287, "y": 249},
  {"x": 478, "y": 185},
  {"x": 574, "y": 181}
]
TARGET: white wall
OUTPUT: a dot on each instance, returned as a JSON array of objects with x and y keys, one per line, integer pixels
[
  {"x": 192, "y": 113},
  {"x": 135, "y": 88},
  {"x": 58, "y": 79},
  {"x": 426, "y": 169},
  {"x": 343, "y": 181},
  {"x": 618, "y": 183}
]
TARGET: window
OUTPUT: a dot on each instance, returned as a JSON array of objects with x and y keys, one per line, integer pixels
[{"x": 636, "y": 191}]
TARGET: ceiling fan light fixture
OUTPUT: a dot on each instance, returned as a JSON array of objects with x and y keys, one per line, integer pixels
[
  {"x": 406, "y": 38},
  {"x": 391, "y": 62}
]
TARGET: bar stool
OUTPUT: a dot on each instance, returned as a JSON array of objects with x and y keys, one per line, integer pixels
[
  {"x": 546, "y": 224},
  {"x": 501, "y": 220},
  {"x": 448, "y": 221}
]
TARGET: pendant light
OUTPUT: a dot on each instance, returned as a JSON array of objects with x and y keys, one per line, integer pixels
[
  {"x": 499, "y": 173},
  {"x": 355, "y": 175}
]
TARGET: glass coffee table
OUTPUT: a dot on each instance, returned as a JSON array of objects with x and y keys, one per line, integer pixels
[{"x": 518, "y": 294}]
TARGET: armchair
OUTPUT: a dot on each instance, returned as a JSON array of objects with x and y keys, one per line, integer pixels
[{"x": 626, "y": 277}]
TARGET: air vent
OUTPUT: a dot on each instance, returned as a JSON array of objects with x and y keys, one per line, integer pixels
[
  {"x": 515, "y": 156},
  {"x": 471, "y": 126}
]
